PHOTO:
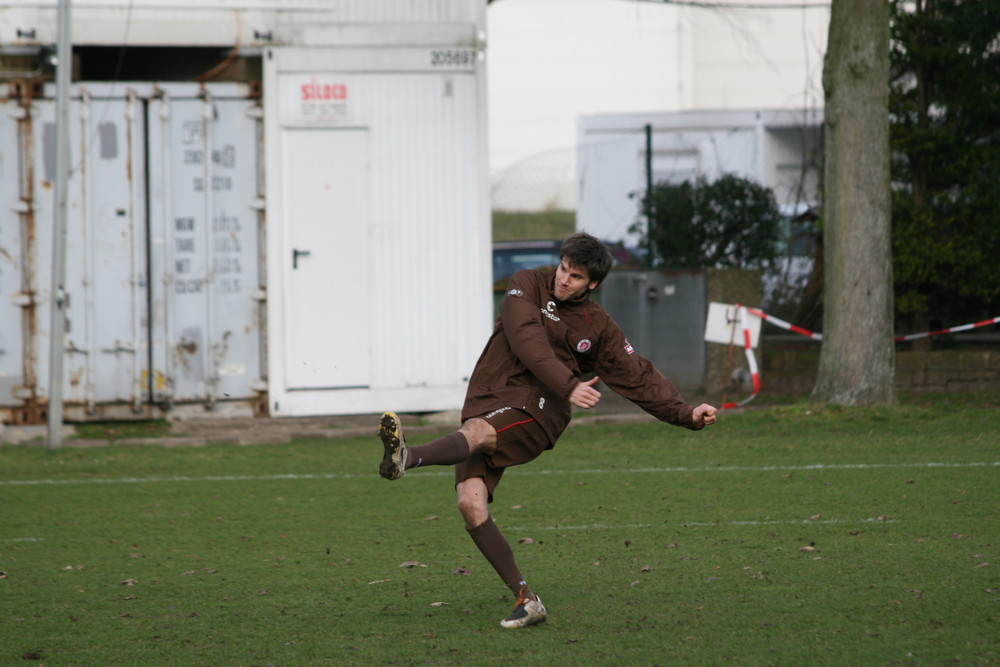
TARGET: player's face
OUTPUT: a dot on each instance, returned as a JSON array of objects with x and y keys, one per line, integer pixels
[{"x": 572, "y": 281}]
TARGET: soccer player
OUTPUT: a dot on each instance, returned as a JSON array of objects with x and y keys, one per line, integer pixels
[{"x": 548, "y": 337}]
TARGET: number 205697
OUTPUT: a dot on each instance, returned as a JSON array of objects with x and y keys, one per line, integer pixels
[{"x": 452, "y": 57}]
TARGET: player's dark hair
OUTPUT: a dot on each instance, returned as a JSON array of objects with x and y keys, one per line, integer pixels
[{"x": 585, "y": 251}]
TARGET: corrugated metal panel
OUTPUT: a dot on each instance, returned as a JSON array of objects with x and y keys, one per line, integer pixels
[
  {"x": 17, "y": 239},
  {"x": 242, "y": 23},
  {"x": 192, "y": 251},
  {"x": 390, "y": 11}
]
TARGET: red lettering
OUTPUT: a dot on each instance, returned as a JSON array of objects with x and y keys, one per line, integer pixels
[{"x": 327, "y": 91}]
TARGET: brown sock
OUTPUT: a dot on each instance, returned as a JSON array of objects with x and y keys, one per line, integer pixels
[
  {"x": 448, "y": 450},
  {"x": 496, "y": 549}
]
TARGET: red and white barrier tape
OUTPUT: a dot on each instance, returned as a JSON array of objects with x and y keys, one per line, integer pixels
[
  {"x": 899, "y": 339},
  {"x": 782, "y": 323},
  {"x": 752, "y": 360},
  {"x": 741, "y": 323},
  {"x": 963, "y": 327}
]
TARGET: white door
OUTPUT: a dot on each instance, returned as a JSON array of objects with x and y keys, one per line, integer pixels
[{"x": 326, "y": 209}]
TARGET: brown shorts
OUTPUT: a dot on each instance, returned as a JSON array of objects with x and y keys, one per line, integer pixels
[{"x": 519, "y": 439}]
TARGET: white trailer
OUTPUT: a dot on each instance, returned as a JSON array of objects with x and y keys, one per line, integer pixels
[{"x": 776, "y": 148}]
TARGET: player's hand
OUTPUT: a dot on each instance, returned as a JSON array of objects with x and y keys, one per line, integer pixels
[
  {"x": 703, "y": 415},
  {"x": 584, "y": 395}
]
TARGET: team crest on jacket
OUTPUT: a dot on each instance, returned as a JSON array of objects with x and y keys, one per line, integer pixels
[
  {"x": 583, "y": 345},
  {"x": 628, "y": 347}
]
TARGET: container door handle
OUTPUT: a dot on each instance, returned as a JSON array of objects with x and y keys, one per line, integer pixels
[{"x": 296, "y": 253}]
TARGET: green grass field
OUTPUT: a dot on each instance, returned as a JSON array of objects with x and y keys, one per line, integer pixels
[{"x": 782, "y": 536}]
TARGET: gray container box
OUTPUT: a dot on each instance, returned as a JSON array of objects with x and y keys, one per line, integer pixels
[{"x": 663, "y": 315}]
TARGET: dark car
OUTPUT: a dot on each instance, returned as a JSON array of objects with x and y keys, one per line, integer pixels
[{"x": 512, "y": 256}]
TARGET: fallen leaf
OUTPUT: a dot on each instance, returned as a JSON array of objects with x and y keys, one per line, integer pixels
[
  {"x": 434, "y": 517},
  {"x": 378, "y": 581},
  {"x": 525, "y": 540},
  {"x": 628, "y": 543},
  {"x": 596, "y": 563},
  {"x": 981, "y": 565},
  {"x": 816, "y": 517},
  {"x": 648, "y": 568},
  {"x": 460, "y": 570},
  {"x": 412, "y": 563},
  {"x": 633, "y": 584},
  {"x": 517, "y": 507},
  {"x": 439, "y": 604},
  {"x": 131, "y": 597},
  {"x": 808, "y": 549},
  {"x": 130, "y": 582},
  {"x": 184, "y": 574}
]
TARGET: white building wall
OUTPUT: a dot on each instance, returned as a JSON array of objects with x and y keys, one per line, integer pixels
[{"x": 554, "y": 60}]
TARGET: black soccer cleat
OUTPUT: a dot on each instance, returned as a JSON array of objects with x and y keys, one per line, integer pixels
[{"x": 390, "y": 430}]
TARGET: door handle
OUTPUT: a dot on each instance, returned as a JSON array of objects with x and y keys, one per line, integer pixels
[{"x": 296, "y": 253}]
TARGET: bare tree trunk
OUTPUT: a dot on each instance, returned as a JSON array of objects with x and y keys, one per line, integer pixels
[{"x": 857, "y": 360}]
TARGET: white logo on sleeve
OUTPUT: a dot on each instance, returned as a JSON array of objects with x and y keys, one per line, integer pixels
[
  {"x": 515, "y": 292},
  {"x": 541, "y": 403}
]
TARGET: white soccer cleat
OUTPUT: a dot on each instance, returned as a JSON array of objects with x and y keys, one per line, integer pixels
[{"x": 526, "y": 612}]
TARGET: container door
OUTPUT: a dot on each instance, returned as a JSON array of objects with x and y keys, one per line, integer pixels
[
  {"x": 105, "y": 340},
  {"x": 204, "y": 248},
  {"x": 326, "y": 186}
]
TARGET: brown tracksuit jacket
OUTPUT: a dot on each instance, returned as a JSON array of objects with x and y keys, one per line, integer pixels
[{"x": 541, "y": 348}]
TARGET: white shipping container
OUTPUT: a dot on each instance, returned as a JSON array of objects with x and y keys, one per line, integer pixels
[{"x": 163, "y": 287}]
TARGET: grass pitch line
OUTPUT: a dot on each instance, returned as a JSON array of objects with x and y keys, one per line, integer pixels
[
  {"x": 707, "y": 524},
  {"x": 448, "y": 473}
]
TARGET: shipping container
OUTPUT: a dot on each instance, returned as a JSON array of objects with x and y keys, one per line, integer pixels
[{"x": 309, "y": 236}]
